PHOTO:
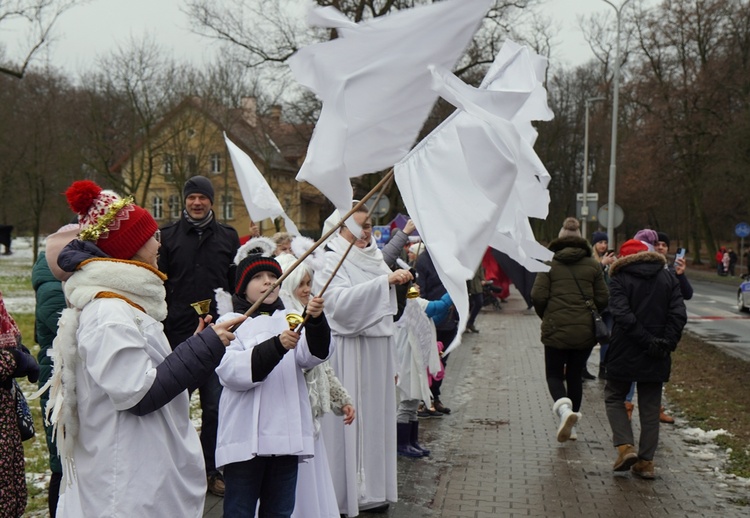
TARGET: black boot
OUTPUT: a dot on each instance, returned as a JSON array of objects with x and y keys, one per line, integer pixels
[
  {"x": 414, "y": 438},
  {"x": 403, "y": 447}
]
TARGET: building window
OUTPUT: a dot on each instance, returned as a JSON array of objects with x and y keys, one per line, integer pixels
[
  {"x": 192, "y": 164},
  {"x": 168, "y": 165},
  {"x": 216, "y": 163},
  {"x": 227, "y": 207},
  {"x": 157, "y": 207},
  {"x": 175, "y": 206}
]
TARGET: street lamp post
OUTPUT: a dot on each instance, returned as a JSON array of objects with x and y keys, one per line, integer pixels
[
  {"x": 585, "y": 205},
  {"x": 613, "y": 152}
]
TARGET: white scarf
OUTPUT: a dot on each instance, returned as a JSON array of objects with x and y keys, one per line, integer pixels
[
  {"x": 136, "y": 282},
  {"x": 369, "y": 259}
]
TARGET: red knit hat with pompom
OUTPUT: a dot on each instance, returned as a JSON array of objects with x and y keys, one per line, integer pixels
[{"x": 116, "y": 225}]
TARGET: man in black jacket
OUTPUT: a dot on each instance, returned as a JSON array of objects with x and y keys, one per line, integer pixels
[{"x": 197, "y": 254}]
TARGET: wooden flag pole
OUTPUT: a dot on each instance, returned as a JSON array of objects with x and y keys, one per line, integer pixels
[{"x": 379, "y": 188}]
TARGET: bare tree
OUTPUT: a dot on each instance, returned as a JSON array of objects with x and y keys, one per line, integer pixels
[
  {"x": 135, "y": 88},
  {"x": 35, "y": 19}
]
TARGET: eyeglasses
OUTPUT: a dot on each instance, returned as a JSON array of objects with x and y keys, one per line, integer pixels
[{"x": 157, "y": 236}]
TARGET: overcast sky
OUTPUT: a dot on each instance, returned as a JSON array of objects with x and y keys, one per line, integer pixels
[{"x": 99, "y": 27}]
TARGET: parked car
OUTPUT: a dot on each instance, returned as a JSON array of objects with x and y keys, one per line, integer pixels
[{"x": 743, "y": 294}]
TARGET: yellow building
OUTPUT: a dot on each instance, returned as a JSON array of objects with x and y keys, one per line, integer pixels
[{"x": 189, "y": 141}]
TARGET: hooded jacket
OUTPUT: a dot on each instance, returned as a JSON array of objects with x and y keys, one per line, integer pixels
[
  {"x": 646, "y": 303},
  {"x": 566, "y": 320}
]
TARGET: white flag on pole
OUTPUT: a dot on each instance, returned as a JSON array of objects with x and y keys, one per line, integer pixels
[
  {"x": 475, "y": 180},
  {"x": 375, "y": 87},
  {"x": 259, "y": 199}
]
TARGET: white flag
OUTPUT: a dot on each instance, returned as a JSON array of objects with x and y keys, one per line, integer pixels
[
  {"x": 475, "y": 180},
  {"x": 375, "y": 87},
  {"x": 259, "y": 199}
]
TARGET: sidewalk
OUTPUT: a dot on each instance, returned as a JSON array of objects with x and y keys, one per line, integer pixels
[{"x": 496, "y": 454}]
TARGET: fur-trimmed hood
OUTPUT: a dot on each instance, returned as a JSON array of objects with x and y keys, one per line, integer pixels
[
  {"x": 570, "y": 249},
  {"x": 647, "y": 264}
]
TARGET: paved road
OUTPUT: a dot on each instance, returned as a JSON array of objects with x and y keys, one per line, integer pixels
[
  {"x": 713, "y": 315},
  {"x": 496, "y": 456}
]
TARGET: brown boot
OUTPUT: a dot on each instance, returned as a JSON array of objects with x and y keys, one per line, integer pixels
[
  {"x": 627, "y": 456},
  {"x": 629, "y": 407},
  {"x": 644, "y": 469},
  {"x": 664, "y": 418}
]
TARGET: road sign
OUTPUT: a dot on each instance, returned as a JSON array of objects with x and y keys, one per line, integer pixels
[
  {"x": 742, "y": 229},
  {"x": 587, "y": 210},
  {"x": 603, "y": 214},
  {"x": 382, "y": 208}
]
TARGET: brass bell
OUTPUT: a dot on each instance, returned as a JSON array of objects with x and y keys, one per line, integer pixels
[
  {"x": 294, "y": 320},
  {"x": 413, "y": 292},
  {"x": 202, "y": 307}
]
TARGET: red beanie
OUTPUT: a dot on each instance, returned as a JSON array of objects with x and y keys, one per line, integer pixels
[
  {"x": 116, "y": 225},
  {"x": 632, "y": 246}
]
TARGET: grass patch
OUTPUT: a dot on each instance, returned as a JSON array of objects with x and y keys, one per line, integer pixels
[{"x": 711, "y": 389}]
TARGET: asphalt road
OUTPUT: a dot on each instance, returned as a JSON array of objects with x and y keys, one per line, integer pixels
[{"x": 713, "y": 316}]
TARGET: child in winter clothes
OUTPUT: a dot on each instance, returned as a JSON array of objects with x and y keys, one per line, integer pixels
[
  {"x": 15, "y": 362},
  {"x": 265, "y": 421},
  {"x": 316, "y": 497},
  {"x": 416, "y": 351}
]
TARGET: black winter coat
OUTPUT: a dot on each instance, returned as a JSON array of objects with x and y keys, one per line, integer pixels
[
  {"x": 646, "y": 303},
  {"x": 195, "y": 266}
]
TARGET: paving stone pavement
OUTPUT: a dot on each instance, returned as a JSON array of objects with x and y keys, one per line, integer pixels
[{"x": 496, "y": 454}]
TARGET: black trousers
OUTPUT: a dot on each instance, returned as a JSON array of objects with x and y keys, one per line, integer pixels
[{"x": 563, "y": 368}]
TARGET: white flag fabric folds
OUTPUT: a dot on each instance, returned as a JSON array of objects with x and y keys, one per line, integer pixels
[
  {"x": 476, "y": 179},
  {"x": 375, "y": 86},
  {"x": 259, "y": 199}
]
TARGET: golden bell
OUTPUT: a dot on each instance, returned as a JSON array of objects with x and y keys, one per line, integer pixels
[
  {"x": 202, "y": 307},
  {"x": 413, "y": 292},
  {"x": 294, "y": 320}
]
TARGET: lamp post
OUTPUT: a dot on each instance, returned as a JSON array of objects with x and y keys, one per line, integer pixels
[
  {"x": 585, "y": 206},
  {"x": 613, "y": 152}
]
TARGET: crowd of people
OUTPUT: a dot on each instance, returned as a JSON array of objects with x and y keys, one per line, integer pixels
[{"x": 312, "y": 373}]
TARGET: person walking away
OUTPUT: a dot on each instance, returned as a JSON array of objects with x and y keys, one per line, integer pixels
[
  {"x": 563, "y": 297},
  {"x": 197, "y": 256},
  {"x": 649, "y": 316},
  {"x": 732, "y": 261},
  {"x": 475, "y": 288}
]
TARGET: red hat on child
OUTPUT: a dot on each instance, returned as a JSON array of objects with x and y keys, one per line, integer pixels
[{"x": 116, "y": 225}]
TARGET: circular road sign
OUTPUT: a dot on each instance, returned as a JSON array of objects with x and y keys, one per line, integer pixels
[
  {"x": 603, "y": 214},
  {"x": 742, "y": 229},
  {"x": 382, "y": 208}
]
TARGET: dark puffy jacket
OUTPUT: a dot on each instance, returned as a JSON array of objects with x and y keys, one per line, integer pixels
[
  {"x": 50, "y": 301},
  {"x": 566, "y": 320},
  {"x": 195, "y": 266},
  {"x": 645, "y": 302}
]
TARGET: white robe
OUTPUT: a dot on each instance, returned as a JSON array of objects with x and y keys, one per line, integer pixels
[
  {"x": 416, "y": 350},
  {"x": 268, "y": 417},
  {"x": 129, "y": 465},
  {"x": 360, "y": 306}
]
